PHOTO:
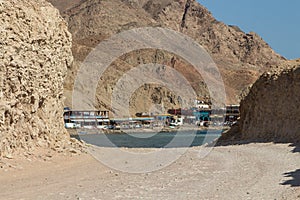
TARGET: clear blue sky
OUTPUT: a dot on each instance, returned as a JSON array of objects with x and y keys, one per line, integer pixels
[{"x": 276, "y": 21}]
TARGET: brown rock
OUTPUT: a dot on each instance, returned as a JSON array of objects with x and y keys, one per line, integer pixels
[
  {"x": 241, "y": 57},
  {"x": 270, "y": 112},
  {"x": 35, "y": 51}
]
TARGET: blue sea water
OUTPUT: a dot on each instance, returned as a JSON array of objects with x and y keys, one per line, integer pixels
[{"x": 160, "y": 140}]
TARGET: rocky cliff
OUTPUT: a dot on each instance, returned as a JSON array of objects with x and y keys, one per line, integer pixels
[
  {"x": 35, "y": 51},
  {"x": 241, "y": 57},
  {"x": 270, "y": 112}
]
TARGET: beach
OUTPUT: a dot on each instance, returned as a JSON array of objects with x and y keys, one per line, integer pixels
[{"x": 249, "y": 171}]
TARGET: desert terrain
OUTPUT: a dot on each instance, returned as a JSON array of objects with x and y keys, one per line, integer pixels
[
  {"x": 41, "y": 49},
  {"x": 249, "y": 171}
]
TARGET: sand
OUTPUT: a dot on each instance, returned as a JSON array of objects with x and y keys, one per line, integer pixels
[{"x": 251, "y": 171}]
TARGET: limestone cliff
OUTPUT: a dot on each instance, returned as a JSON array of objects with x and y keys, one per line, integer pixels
[
  {"x": 270, "y": 112},
  {"x": 35, "y": 51}
]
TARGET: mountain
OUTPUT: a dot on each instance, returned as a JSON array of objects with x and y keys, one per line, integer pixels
[{"x": 241, "y": 57}]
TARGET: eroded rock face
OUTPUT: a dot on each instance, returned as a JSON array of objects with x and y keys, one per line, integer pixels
[
  {"x": 271, "y": 110},
  {"x": 241, "y": 57},
  {"x": 35, "y": 51}
]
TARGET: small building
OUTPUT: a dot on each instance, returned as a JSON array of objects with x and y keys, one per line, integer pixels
[
  {"x": 86, "y": 118},
  {"x": 201, "y": 105},
  {"x": 132, "y": 123},
  {"x": 232, "y": 113},
  {"x": 202, "y": 115}
]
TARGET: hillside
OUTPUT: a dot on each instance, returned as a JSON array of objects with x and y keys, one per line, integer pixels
[{"x": 241, "y": 57}]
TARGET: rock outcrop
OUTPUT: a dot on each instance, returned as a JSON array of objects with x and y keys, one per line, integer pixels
[
  {"x": 241, "y": 57},
  {"x": 270, "y": 112},
  {"x": 35, "y": 51}
]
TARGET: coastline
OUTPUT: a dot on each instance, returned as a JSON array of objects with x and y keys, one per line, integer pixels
[{"x": 74, "y": 132}]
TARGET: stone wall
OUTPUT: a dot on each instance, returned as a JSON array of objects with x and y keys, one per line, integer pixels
[{"x": 35, "y": 51}]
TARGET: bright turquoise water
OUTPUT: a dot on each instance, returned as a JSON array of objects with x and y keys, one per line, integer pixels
[{"x": 160, "y": 140}]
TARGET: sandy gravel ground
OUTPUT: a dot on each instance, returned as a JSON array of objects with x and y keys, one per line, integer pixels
[{"x": 252, "y": 171}]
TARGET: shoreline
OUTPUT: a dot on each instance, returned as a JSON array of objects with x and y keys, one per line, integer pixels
[{"x": 74, "y": 132}]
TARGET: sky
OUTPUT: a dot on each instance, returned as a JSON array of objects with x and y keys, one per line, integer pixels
[{"x": 276, "y": 21}]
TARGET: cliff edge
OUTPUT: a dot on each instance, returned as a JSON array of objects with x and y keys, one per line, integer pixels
[
  {"x": 270, "y": 112},
  {"x": 35, "y": 51}
]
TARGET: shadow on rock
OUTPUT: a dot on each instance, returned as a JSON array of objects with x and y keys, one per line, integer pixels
[
  {"x": 233, "y": 136},
  {"x": 296, "y": 149},
  {"x": 295, "y": 181}
]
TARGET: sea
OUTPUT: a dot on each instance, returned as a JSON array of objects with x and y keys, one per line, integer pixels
[{"x": 173, "y": 139}]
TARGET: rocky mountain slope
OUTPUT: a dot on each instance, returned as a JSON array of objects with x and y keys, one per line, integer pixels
[
  {"x": 35, "y": 51},
  {"x": 270, "y": 112},
  {"x": 241, "y": 57}
]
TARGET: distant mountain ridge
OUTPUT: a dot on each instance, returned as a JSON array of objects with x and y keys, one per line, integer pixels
[{"x": 241, "y": 57}]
